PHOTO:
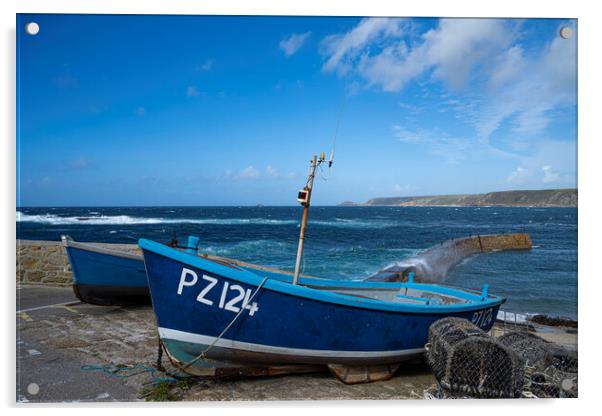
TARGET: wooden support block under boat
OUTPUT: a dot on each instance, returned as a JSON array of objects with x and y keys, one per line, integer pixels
[{"x": 363, "y": 373}]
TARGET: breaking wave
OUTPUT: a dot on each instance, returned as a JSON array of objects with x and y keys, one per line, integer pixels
[
  {"x": 128, "y": 220},
  {"x": 53, "y": 219},
  {"x": 353, "y": 223}
]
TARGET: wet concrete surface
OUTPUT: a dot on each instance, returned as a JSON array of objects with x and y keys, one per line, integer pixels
[
  {"x": 38, "y": 296},
  {"x": 58, "y": 336},
  {"x": 63, "y": 345},
  {"x": 75, "y": 352}
]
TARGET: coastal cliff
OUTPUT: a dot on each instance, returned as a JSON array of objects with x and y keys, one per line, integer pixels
[{"x": 527, "y": 198}]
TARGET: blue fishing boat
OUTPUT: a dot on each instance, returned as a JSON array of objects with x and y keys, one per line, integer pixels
[
  {"x": 214, "y": 311},
  {"x": 219, "y": 311},
  {"x": 106, "y": 277}
]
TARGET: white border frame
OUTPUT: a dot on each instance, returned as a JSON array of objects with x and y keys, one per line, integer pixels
[{"x": 589, "y": 151}]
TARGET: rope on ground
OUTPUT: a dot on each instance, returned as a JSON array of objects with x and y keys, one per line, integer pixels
[{"x": 121, "y": 371}]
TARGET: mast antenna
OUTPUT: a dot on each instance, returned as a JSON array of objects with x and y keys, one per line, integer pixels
[
  {"x": 336, "y": 131},
  {"x": 304, "y": 196}
]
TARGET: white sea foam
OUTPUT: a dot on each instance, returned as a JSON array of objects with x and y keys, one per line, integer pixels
[
  {"x": 128, "y": 220},
  {"x": 352, "y": 223},
  {"x": 53, "y": 219}
]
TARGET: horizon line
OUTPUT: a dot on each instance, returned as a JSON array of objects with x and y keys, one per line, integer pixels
[{"x": 258, "y": 205}]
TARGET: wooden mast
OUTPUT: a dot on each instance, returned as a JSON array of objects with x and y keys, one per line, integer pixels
[{"x": 305, "y": 201}]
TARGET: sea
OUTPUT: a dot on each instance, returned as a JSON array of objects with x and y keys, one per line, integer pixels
[{"x": 351, "y": 242}]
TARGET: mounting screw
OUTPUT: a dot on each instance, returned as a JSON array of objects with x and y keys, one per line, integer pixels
[
  {"x": 566, "y": 32},
  {"x": 32, "y": 28},
  {"x": 33, "y": 389}
]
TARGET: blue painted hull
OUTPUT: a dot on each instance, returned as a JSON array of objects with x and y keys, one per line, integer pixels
[
  {"x": 195, "y": 299},
  {"x": 108, "y": 279}
]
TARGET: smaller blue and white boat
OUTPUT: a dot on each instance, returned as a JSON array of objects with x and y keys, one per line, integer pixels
[{"x": 102, "y": 276}]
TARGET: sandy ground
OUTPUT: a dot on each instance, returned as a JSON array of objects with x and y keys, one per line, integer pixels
[{"x": 63, "y": 346}]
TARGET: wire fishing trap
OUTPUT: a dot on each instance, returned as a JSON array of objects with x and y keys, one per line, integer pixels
[
  {"x": 469, "y": 363},
  {"x": 550, "y": 370}
]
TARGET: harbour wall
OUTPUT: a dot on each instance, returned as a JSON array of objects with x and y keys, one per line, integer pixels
[
  {"x": 435, "y": 263},
  {"x": 46, "y": 262}
]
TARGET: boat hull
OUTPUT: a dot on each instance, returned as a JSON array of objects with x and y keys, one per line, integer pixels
[
  {"x": 104, "y": 295},
  {"x": 107, "y": 278},
  {"x": 196, "y": 302}
]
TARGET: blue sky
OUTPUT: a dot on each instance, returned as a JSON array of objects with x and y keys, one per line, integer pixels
[{"x": 202, "y": 110}]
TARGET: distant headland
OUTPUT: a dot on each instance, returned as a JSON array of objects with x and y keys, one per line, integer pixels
[{"x": 527, "y": 198}]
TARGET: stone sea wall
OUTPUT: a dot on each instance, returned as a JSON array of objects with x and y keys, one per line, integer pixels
[
  {"x": 435, "y": 263},
  {"x": 46, "y": 262}
]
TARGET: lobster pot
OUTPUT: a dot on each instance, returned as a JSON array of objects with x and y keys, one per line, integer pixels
[
  {"x": 552, "y": 369},
  {"x": 468, "y": 362}
]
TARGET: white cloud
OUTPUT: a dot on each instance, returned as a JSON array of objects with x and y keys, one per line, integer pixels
[
  {"x": 519, "y": 176},
  {"x": 403, "y": 188},
  {"x": 253, "y": 173},
  {"x": 249, "y": 172},
  {"x": 438, "y": 143},
  {"x": 457, "y": 46},
  {"x": 409, "y": 136},
  {"x": 549, "y": 175},
  {"x": 449, "y": 52},
  {"x": 546, "y": 82},
  {"x": 341, "y": 50},
  {"x": 291, "y": 44},
  {"x": 270, "y": 171},
  {"x": 192, "y": 91},
  {"x": 410, "y": 108},
  {"x": 508, "y": 67},
  {"x": 506, "y": 84},
  {"x": 555, "y": 159}
]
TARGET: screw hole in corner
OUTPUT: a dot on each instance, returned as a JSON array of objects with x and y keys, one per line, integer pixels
[
  {"x": 32, "y": 28},
  {"x": 566, "y": 32}
]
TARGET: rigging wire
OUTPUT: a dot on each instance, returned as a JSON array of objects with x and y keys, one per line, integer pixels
[
  {"x": 339, "y": 117},
  {"x": 336, "y": 135}
]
